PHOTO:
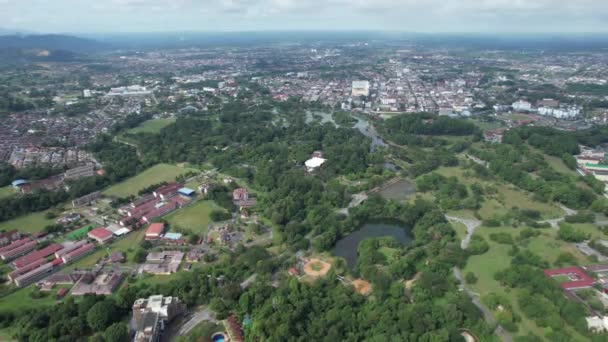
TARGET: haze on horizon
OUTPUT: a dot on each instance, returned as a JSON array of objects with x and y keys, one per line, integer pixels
[{"x": 434, "y": 16}]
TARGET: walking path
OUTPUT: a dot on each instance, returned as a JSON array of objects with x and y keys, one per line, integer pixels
[{"x": 471, "y": 226}]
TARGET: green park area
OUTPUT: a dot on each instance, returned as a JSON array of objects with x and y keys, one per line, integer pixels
[
  {"x": 497, "y": 258},
  {"x": 194, "y": 218},
  {"x": 154, "y": 175},
  {"x": 152, "y": 126},
  {"x": 504, "y": 198},
  {"x": 31, "y": 223}
]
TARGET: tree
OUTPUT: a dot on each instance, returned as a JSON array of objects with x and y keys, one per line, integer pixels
[
  {"x": 470, "y": 278},
  {"x": 139, "y": 256},
  {"x": 101, "y": 315},
  {"x": 116, "y": 332}
]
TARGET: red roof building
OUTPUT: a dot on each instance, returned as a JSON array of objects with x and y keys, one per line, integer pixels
[
  {"x": 578, "y": 277},
  {"x": 78, "y": 253},
  {"x": 37, "y": 255},
  {"x": 167, "y": 191},
  {"x": 101, "y": 235},
  {"x": 240, "y": 194},
  {"x": 154, "y": 231}
]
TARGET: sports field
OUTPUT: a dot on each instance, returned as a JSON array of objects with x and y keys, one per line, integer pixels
[
  {"x": 154, "y": 175},
  {"x": 152, "y": 126},
  {"x": 194, "y": 217}
]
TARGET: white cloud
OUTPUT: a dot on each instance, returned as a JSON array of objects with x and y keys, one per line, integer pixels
[{"x": 405, "y": 15}]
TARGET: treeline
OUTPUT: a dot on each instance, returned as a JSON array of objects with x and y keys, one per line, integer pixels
[
  {"x": 399, "y": 127},
  {"x": 9, "y": 173},
  {"x": 515, "y": 163}
]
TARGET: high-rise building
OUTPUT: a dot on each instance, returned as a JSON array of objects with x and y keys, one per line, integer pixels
[{"x": 360, "y": 88}]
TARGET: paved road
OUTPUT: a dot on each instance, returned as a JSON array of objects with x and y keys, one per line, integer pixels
[
  {"x": 471, "y": 226},
  {"x": 504, "y": 335},
  {"x": 205, "y": 314}
]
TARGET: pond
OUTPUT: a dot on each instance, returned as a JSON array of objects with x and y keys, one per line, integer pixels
[{"x": 347, "y": 247}]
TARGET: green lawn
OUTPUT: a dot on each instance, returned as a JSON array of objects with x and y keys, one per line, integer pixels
[
  {"x": 7, "y": 191},
  {"x": 152, "y": 126},
  {"x": 156, "y": 174},
  {"x": 194, "y": 217},
  {"x": 30, "y": 223}
]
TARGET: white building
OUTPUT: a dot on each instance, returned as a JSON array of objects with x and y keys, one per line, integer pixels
[
  {"x": 597, "y": 324},
  {"x": 560, "y": 113},
  {"x": 360, "y": 88},
  {"x": 522, "y": 105},
  {"x": 313, "y": 163},
  {"x": 134, "y": 90}
]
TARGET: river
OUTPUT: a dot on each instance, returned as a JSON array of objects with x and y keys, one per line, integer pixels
[{"x": 347, "y": 247}]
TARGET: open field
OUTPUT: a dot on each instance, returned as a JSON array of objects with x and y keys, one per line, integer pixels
[
  {"x": 362, "y": 287},
  {"x": 30, "y": 223},
  {"x": 194, "y": 217},
  {"x": 152, "y": 126},
  {"x": 156, "y": 174},
  {"x": 7, "y": 191}
]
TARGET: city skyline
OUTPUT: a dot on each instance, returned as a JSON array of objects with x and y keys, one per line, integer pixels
[{"x": 434, "y": 16}]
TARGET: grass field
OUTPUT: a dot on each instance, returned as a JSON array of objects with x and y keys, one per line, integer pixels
[
  {"x": 194, "y": 217},
  {"x": 152, "y": 126},
  {"x": 31, "y": 223},
  {"x": 7, "y": 191},
  {"x": 156, "y": 174}
]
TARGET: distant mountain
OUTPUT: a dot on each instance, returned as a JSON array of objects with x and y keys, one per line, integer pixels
[{"x": 51, "y": 42}]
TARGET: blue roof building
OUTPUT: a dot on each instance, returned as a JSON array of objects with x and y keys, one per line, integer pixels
[
  {"x": 186, "y": 192},
  {"x": 19, "y": 182}
]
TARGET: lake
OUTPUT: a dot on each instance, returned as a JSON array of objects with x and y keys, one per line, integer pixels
[{"x": 347, "y": 247}]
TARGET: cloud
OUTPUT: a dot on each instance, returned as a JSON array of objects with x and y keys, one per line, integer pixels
[{"x": 217, "y": 15}]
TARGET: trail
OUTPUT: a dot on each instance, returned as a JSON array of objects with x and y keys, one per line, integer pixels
[{"x": 471, "y": 226}]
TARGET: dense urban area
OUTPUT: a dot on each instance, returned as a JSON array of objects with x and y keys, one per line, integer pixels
[{"x": 347, "y": 190}]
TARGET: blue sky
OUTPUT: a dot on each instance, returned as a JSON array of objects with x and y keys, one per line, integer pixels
[{"x": 259, "y": 15}]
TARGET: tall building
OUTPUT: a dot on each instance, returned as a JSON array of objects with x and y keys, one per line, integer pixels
[
  {"x": 360, "y": 88},
  {"x": 150, "y": 315}
]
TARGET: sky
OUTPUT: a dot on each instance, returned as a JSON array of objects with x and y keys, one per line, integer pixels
[{"x": 434, "y": 16}]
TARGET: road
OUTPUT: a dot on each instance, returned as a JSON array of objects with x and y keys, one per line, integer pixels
[
  {"x": 504, "y": 335},
  {"x": 203, "y": 315},
  {"x": 471, "y": 226}
]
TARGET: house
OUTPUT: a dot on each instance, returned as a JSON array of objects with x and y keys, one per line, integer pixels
[
  {"x": 167, "y": 191},
  {"x": 78, "y": 253},
  {"x": 154, "y": 231},
  {"x": 101, "y": 235},
  {"x": 98, "y": 283},
  {"x": 117, "y": 257},
  {"x": 240, "y": 194},
  {"x": 313, "y": 163}
]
